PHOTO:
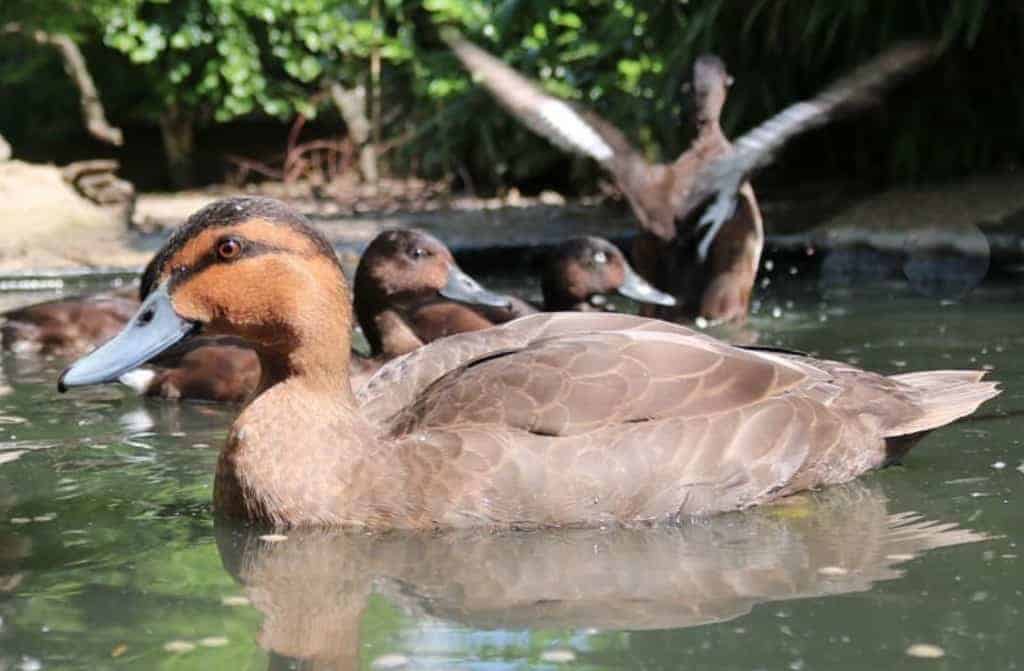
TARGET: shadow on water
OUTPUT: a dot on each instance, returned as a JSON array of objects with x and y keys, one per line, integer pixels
[{"x": 313, "y": 587}]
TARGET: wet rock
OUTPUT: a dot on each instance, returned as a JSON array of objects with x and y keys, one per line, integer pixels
[{"x": 97, "y": 182}]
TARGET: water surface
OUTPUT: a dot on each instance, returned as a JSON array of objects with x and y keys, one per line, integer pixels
[{"x": 110, "y": 556}]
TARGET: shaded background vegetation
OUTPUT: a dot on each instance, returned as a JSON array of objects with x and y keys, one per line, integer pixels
[{"x": 229, "y": 77}]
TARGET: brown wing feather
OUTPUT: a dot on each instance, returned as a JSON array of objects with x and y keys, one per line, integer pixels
[
  {"x": 563, "y": 124},
  {"x": 572, "y": 384}
]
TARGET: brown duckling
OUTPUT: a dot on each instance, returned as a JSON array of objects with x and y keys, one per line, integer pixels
[
  {"x": 711, "y": 272},
  {"x": 579, "y": 275},
  {"x": 553, "y": 419},
  {"x": 409, "y": 291},
  {"x": 67, "y": 326}
]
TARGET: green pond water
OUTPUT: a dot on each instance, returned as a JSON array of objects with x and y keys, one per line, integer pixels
[{"x": 110, "y": 556}]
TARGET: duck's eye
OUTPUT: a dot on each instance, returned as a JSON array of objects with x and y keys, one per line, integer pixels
[
  {"x": 419, "y": 253},
  {"x": 600, "y": 257},
  {"x": 228, "y": 249}
]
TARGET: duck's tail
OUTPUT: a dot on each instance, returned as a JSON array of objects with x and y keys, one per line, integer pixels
[{"x": 943, "y": 396}]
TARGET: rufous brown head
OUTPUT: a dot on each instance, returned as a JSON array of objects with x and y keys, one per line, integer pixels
[
  {"x": 585, "y": 269},
  {"x": 407, "y": 267},
  {"x": 248, "y": 267}
]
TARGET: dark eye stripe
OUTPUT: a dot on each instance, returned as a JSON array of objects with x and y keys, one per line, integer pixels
[{"x": 250, "y": 248}]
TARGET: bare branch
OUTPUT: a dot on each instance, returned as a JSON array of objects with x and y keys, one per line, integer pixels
[
  {"x": 74, "y": 64},
  {"x": 351, "y": 103}
]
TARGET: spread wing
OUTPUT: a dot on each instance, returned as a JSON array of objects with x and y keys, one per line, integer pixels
[
  {"x": 561, "y": 123},
  {"x": 755, "y": 149}
]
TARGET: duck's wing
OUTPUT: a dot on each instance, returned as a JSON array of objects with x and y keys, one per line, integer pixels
[
  {"x": 631, "y": 366},
  {"x": 400, "y": 381},
  {"x": 563, "y": 124},
  {"x": 756, "y": 148},
  {"x": 589, "y": 373}
]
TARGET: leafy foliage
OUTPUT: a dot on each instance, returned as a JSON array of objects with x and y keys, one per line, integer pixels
[
  {"x": 222, "y": 60},
  {"x": 237, "y": 57}
]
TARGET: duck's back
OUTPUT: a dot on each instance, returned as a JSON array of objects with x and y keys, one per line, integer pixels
[{"x": 582, "y": 418}]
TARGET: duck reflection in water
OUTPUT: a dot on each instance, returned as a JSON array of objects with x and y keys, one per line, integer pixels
[{"x": 312, "y": 588}]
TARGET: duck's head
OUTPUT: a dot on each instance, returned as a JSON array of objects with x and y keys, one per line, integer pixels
[
  {"x": 584, "y": 270},
  {"x": 710, "y": 85},
  {"x": 408, "y": 267},
  {"x": 248, "y": 267}
]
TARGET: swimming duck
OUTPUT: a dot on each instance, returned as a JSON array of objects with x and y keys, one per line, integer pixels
[
  {"x": 67, "y": 326},
  {"x": 553, "y": 419},
  {"x": 710, "y": 264},
  {"x": 409, "y": 291},
  {"x": 578, "y": 275}
]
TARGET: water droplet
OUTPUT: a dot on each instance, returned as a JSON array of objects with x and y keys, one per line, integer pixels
[
  {"x": 558, "y": 656},
  {"x": 833, "y": 571},
  {"x": 899, "y": 556},
  {"x": 273, "y": 538},
  {"x": 392, "y": 660},
  {"x": 926, "y": 651},
  {"x": 235, "y": 601},
  {"x": 179, "y": 646}
]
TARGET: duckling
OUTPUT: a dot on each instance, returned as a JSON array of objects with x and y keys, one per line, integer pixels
[
  {"x": 553, "y": 419},
  {"x": 579, "y": 275},
  {"x": 409, "y": 291},
  {"x": 67, "y": 326},
  {"x": 709, "y": 265}
]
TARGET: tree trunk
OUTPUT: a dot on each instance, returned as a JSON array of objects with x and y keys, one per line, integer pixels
[
  {"x": 351, "y": 104},
  {"x": 177, "y": 127},
  {"x": 74, "y": 64}
]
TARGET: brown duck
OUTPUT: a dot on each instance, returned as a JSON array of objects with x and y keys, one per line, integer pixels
[
  {"x": 409, "y": 291},
  {"x": 579, "y": 275},
  {"x": 712, "y": 272},
  {"x": 553, "y": 419}
]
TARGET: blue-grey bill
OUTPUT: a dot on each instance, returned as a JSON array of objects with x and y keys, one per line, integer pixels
[
  {"x": 637, "y": 288},
  {"x": 464, "y": 289},
  {"x": 152, "y": 330}
]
